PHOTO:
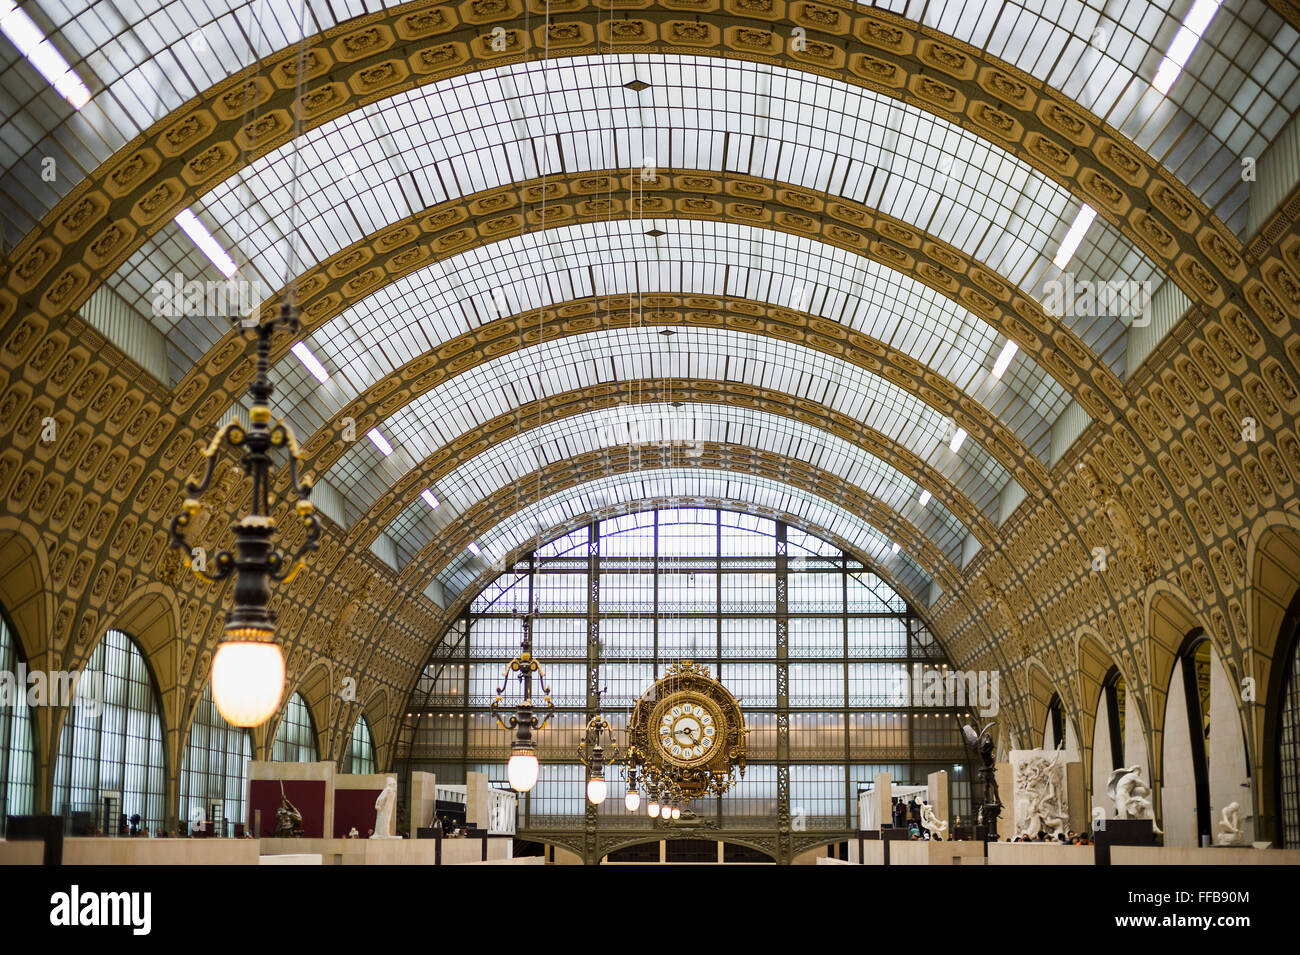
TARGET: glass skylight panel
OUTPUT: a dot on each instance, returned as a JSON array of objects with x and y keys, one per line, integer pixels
[
  {"x": 417, "y": 313},
  {"x": 506, "y": 382},
  {"x": 668, "y": 482},
  {"x": 508, "y": 463},
  {"x": 41, "y": 53},
  {"x": 167, "y": 53},
  {"x": 908, "y": 144}
]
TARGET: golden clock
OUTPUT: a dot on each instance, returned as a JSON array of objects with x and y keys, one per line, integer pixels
[{"x": 688, "y": 732}]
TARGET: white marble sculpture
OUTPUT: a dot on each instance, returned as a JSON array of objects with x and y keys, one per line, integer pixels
[
  {"x": 353, "y": 834},
  {"x": 930, "y": 821},
  {"x": 1041, "y": 803},
  {"x": 1230, "y": 833},
  {"x": 1131, "y": 796},
  {"x": 385, "y": 808},
  {"x": 1098, "y": 814}
]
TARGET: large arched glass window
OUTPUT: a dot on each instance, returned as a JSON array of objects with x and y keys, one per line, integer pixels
[
  {"x": 17, "y": 739},
  {"x": 361, "y": 749},
  {"x": 295, "y": 739},
  {"x": 111, "y": 755},
  {"x": 1054, "y": 729},
  {"x": 828, "y": 661},
  {"x": 1116, "y": 703},
  {"x": 215, "y": 765},
  {"x": 1288, "y": 730}
]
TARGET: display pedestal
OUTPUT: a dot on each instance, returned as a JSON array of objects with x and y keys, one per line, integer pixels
[
  {"x": 888, "y": 835},
  {"x": 1121, "y": 832}
]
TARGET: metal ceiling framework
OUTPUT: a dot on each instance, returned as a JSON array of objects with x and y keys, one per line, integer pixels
[
  {"x": 1177, "y": 210},
  {"x": 147, "y": 60}
]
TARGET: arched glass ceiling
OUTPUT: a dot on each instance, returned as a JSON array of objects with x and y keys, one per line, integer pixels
[
  {"x": 508, "y": 462},
  {"x": 396, "y": 157},
  {"x": 512, "y": 381},
  {"x": 143, "y": 59},
  {"x": 418, "y": 313},
  {"x": 687, "y": 486}
]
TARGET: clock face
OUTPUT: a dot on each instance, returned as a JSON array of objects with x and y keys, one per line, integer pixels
[{"x": 689, "y": 729}]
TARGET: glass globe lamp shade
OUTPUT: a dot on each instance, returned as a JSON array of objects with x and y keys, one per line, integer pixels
[
  {"x": 677, "y": 813},
  {"x": 522, "y": 770},
  {"x": 632, "y": 801},
  {"x": 653, "y": 809},
  {"x": 597, "y": 790},
  {"x": 247, "y": 681}
]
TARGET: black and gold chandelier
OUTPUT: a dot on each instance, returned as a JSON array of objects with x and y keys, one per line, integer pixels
[
  {"x": 248, "y": 670},
  {"x": 522, "y": 768}
]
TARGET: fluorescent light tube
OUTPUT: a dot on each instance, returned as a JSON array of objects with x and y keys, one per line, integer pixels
[
  {"x": 307, "y": 358},
  {"x": 1185, "y": 40},
  {"x": 1004, "y": 358},
  {"x": 207, "y": 244},
  {"x": 36, "y": 47},
  {"x": 1070, "y": 244}
]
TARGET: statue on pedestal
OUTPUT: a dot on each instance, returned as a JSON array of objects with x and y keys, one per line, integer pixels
[
  {"x": 288, "y": 819},
  {"x": 1230, "y": 833},
  {"x": 930, "y": 821},
  {"x": 1131, "y": 796},
  {"x": 386, "y": 810},
  {"x": 982, "y": 747}
]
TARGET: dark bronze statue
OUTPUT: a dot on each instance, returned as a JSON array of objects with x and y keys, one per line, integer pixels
[
  {"x": 289, "y": 819},
  {"x": 983, "y": 748}
]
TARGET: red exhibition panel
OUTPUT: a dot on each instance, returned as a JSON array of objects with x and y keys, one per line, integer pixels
[{"x": 354, "y": 807}]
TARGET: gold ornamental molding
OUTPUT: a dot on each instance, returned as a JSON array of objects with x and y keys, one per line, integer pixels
[
  {"x": 384, "y": 509},
  {"x": 1288, "y": 10},
  {"x": 448, "y": 229},
  {"x": 130, "y": 196},
  {"x": 489, "y": 512}
]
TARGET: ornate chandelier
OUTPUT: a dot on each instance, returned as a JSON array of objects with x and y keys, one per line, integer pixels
[
  {"x": 522, "y": 768},
  {"x": 248, "y": 670},
  {"x": 686, "y": 739}
]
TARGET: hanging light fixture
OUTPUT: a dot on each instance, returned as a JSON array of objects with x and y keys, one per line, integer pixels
[
  {"x": 632, "y": 798},
  {"x": 592, "y": 754},
  {"x": 522, "y": 768},
  {"x": 248, "y": 669}
]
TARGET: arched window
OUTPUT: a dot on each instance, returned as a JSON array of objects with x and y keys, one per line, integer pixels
[
  {"x": 1288, "y": 730},
  {"x": 361, "y": 749},
  {"x": 1113, "y": 689},
  {"x": 112, "y": 761},
  {"x": 1054, "y": 731},
  {"x": 295, "y": 739},
  {"x": 833, "y": 668},
  {"x": 215, "y": 766},
  {"x": 17, "y": 734},
  {"x": 1185, "y": 782}
]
